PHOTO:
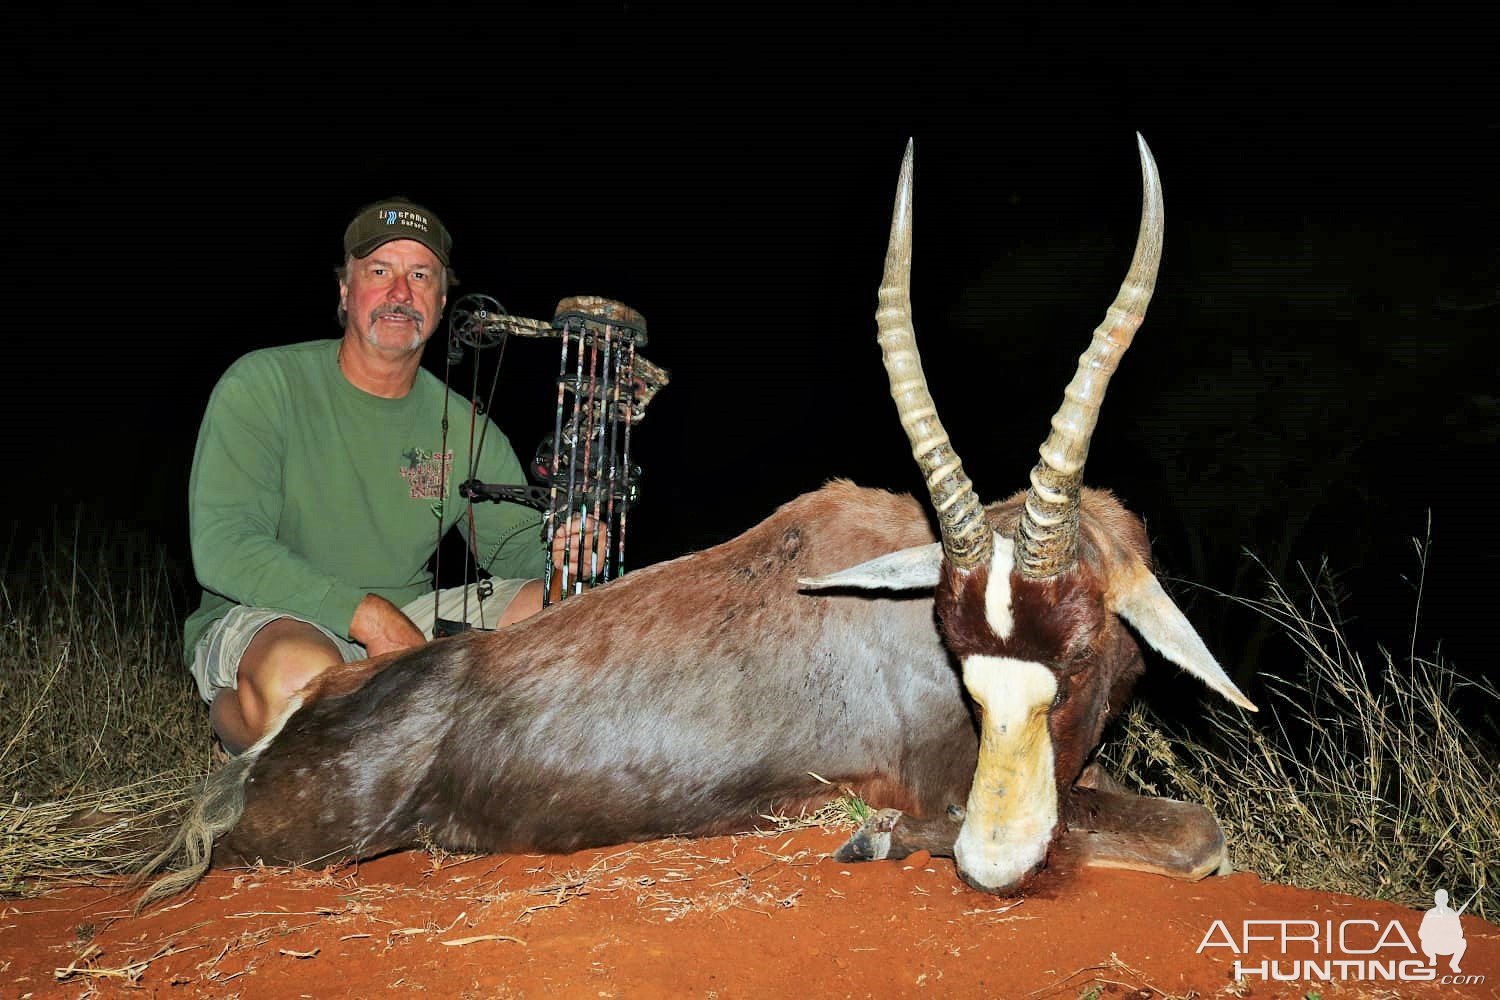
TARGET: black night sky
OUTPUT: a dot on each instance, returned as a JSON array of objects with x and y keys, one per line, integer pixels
[{"x": 1315, "y": 375}]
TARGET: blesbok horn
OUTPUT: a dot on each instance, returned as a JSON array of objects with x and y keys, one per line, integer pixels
[
  {"x": 967, "y": 539},
  {"x": 1047, "y": 537}
]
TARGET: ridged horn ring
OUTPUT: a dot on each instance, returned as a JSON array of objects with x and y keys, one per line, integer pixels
[
  {"x": 967, "y": 540},
  {"x": 1047, "y": 537}
]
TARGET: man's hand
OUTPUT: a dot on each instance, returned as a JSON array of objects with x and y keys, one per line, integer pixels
[
  {"x": 578, "y": 541},
  {"x": 583, "y": 544},
  {"x": 380, "y": 627}
]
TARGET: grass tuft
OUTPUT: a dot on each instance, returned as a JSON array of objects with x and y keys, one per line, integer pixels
[
  {"x": 90, "y": 834},
  {"x": 1370, "y": 773},
  {"x": 102, "y": 735},
  {"x": 836, "y": 814}
]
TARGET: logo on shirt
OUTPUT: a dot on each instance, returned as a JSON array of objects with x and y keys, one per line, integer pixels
[{"x": 426, "y": 472}]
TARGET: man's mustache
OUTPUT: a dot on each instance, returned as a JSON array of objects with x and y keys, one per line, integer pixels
[{"x": 396, "y": 310}]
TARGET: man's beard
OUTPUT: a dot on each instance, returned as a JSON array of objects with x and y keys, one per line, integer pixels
[{"x": 418, "y": 323}]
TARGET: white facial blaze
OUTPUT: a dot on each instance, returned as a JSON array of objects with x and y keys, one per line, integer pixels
[
  {"x": 1012, "y": 807},
  {"x": 997, "y": 591}
]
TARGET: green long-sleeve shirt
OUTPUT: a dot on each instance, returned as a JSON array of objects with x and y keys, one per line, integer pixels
[{"x": 308, "y": 493}]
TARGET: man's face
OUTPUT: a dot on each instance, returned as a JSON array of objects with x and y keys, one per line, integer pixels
[{"x": 394, "y": 297}]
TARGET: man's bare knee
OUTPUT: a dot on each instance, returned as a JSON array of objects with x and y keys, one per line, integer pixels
[
  {"x": 527, "y": 602},
  {"x": 282, "y": 659}
]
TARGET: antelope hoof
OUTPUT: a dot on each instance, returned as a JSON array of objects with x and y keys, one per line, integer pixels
[{"x": 872, "y": 841}]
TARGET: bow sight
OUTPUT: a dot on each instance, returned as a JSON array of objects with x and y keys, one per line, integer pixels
[{"x": 584, "y": 474}]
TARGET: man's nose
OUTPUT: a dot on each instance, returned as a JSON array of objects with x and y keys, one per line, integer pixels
[{"x": 400, "y": 289}]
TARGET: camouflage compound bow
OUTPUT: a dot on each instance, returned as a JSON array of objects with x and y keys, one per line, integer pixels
[{"x": 584, "y": 470}]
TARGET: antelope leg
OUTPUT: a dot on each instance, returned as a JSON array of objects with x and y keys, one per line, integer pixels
[
  {"x": 889, "y": 835},
  {"x": 1111, "y": 829}
]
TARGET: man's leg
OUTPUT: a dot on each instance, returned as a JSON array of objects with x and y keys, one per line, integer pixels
[
  {"x": 509, "y": 602},
  {"x": 527, "y": 602},
  {"x": 282, "y": 658}
]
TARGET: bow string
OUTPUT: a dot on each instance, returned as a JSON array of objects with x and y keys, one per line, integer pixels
[{"x": 586, "y": 473}]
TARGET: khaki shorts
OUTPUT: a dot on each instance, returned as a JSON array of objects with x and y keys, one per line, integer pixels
[{"x": 216, "y": 661}]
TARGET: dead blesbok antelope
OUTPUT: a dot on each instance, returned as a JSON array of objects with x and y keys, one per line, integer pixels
[{"x": 694, "y": 696}]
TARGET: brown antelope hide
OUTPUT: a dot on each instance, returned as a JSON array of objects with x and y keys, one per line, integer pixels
[{"x": 695, "y": 696}]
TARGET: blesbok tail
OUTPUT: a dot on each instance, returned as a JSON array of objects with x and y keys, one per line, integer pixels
[{"x": 216, "y": 811}]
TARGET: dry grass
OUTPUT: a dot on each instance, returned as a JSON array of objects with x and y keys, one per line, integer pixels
[
  {"x": 102, "y": 736},
  {"x": 87, "y": 835},
  {"x": 846, "y": 811},
  {"x": 1372, "y": 773}
]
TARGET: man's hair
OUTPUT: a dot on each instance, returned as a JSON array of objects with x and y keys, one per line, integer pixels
[{"x": 342, "y": 273}]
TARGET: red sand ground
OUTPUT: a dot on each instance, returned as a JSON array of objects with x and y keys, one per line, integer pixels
[{"x": 728, "y": 917}]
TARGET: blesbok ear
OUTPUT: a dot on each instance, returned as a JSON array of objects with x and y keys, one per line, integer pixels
[
  {"x": 1145, "y": 605},
  {"x": 909, "y": 569}
]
